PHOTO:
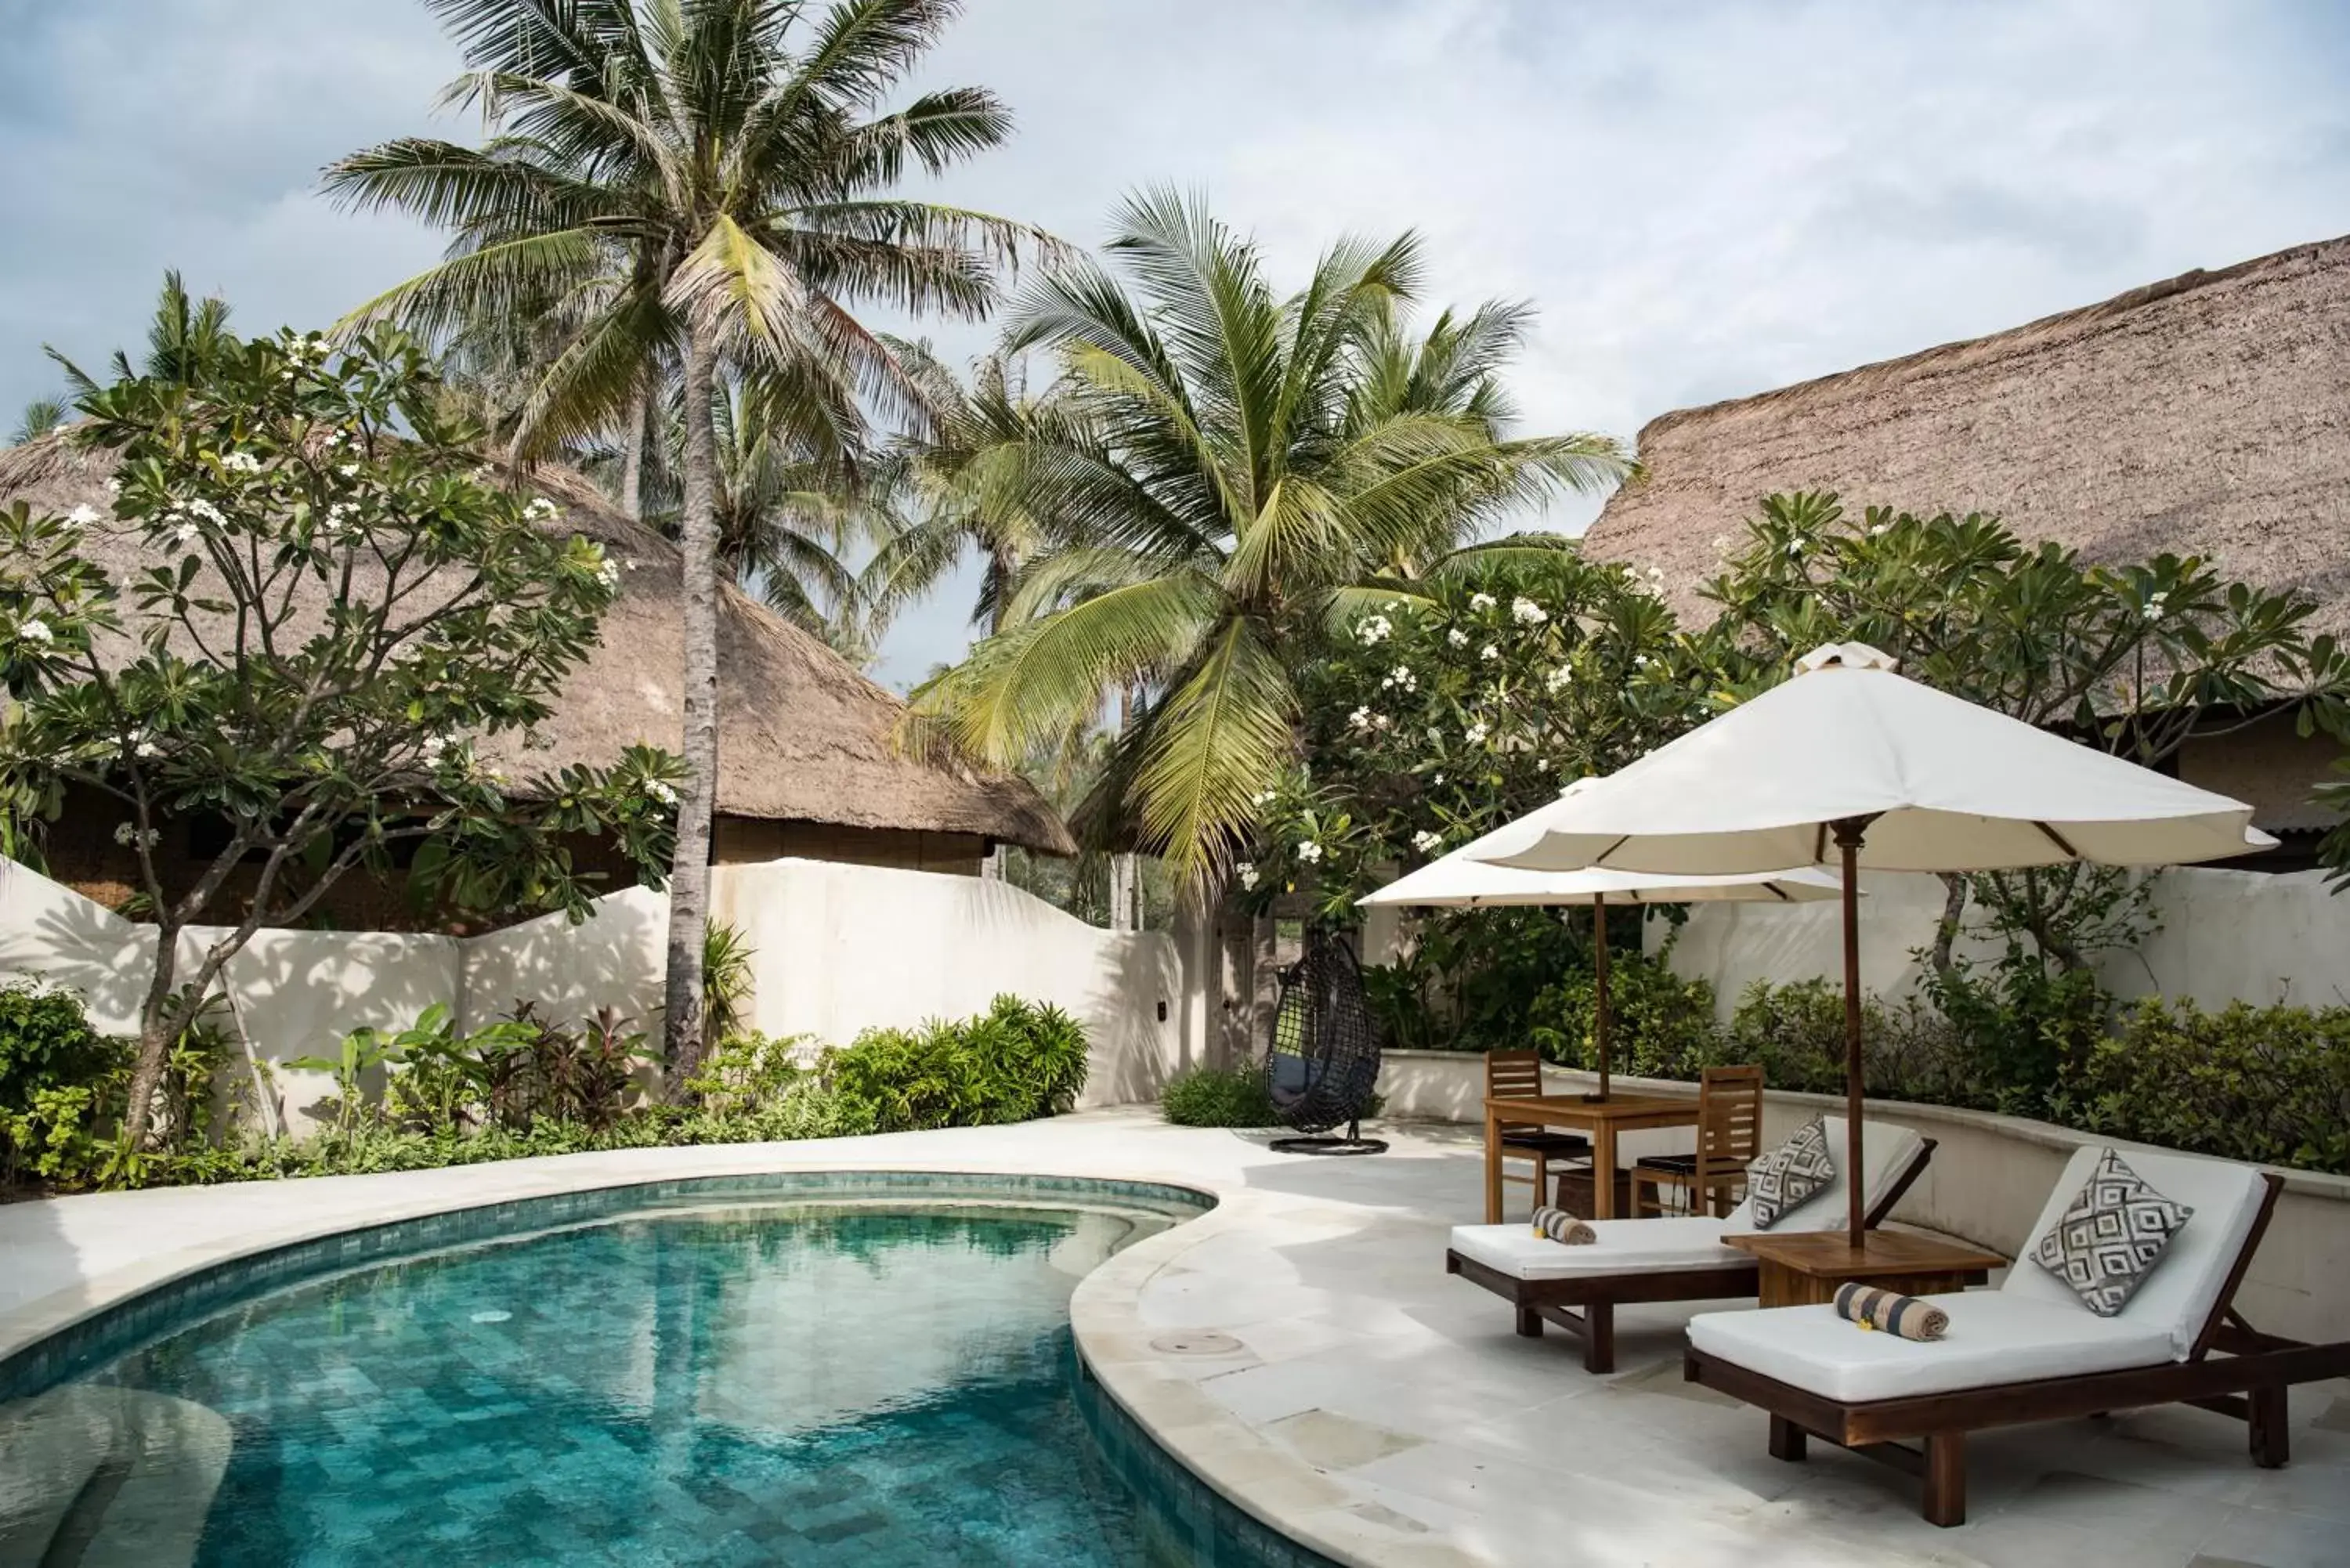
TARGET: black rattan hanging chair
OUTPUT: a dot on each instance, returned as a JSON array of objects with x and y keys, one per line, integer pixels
[{"x": 1323, "y": 1065}]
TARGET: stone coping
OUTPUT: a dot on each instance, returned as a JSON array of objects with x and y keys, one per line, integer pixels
[{"x": 2047, "y": 1135}]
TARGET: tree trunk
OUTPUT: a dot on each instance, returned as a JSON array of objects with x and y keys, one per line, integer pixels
[
  {"x": 632, "y": 461},
  {"x": 155, "y": 1033},
  {"x": 1124, "y": 867},
  {"x": 688, "y": 882},
  {"x": 1946, "y": 931}
]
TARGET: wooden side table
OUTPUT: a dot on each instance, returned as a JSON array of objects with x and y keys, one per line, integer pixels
[{"x": 1805, "y": 1268}]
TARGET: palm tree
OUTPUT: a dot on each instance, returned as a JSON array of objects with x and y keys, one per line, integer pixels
[
  {"x": 682, "y": 183},
  {"x": 1231, "y": 472},
  {"x": 791, "y": 526},
  {"x": 959, "y": 482},
  {"x": 39, "y": 417},
  {"x": 185, "y": 335}
]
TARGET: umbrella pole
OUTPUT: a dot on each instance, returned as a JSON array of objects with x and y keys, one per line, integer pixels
[
  {"x": 1599, "y": 981},
  {"x": 1847, "y": 837}
]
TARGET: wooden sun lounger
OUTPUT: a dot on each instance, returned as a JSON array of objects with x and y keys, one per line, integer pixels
[
  {"x": 2247, "y": 1380},
  {"x": 1585, "y": 1305}
]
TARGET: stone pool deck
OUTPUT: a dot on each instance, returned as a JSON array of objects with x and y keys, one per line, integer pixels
[{"x": 1302, "y": 1348}]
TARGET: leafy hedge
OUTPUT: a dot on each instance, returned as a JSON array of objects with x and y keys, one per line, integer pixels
[
  {"x": 2270, "y": 1084},
  {"x": 2267, "y": 1085},
  {"x": 518, "y": 1087}
]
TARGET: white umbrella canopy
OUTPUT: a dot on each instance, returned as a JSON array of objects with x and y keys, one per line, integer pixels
[
  {"x": 1461, "y": 880},
  {"x": 1940, "y": 784},
  {"x": 1459, "y": 883},
  {"x": 1847, "y": 762}
]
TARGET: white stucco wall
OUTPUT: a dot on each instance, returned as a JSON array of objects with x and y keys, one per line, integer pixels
[
  {"x": 837, "y": 948},
  {"x": 2223, "y": 935},
  {"x": 846, "y": 948},
  {"x": 613, "y": 958}
]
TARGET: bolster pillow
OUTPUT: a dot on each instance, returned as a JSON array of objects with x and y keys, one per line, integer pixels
[
  {"x": 1905, "y": 1316},
  {"x": 1560, "y": 1225}
]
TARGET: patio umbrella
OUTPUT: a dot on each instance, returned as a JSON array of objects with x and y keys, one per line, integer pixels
[
  {"x": 1847, "y": 762},
  {"x": 1461, "y": 880}
]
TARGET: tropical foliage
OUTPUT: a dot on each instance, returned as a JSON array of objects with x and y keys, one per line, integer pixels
[
  {"x": 1227, "y": 472},
  {"x": 700, "y": 191},
  {"x": 428, "y": 1094},
  {"x": 333, "y": 609}
]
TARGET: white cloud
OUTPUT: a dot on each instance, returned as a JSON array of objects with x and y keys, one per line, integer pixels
[{"x": 1703, "y": 199}]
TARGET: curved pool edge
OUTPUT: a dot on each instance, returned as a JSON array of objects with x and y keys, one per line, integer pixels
[
  {"x": 1270, "y": 1486},
  {"x": 1224, "y": 1453}
]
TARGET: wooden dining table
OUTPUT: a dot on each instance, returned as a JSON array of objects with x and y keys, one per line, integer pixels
[{"x": 1600, "y": 1120}]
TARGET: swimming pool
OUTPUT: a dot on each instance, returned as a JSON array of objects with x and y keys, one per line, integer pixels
[{"x": 868, "y": 1369}]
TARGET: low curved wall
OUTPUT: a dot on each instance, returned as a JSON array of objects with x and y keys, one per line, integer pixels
[{"x": 1989, "y": 1177}]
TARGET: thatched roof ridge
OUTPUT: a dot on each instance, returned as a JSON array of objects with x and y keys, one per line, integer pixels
[
  {"x": 2206, "y": 413},
  {"x": 802, "y": 736}
]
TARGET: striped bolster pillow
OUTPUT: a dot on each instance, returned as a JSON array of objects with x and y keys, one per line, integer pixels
[
  {"x": 1560, "y": 1225},
  {"x": 1905, "y": 1316}
]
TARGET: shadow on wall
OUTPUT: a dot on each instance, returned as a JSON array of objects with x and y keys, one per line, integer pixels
[
  {"x": 838, "y": 949},
  {"x": 614, "y": 959}
]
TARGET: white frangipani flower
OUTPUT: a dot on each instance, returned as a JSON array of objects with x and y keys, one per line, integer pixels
[
  {"x": 1247, "y": 876},
  {"x": 1360, "y": 719},
  {"x": 1490, "y": 651},
  {"x": 1476, "y": 733},
  {"x": 1457, "y": 637},
  {"x": 34, "y": 630},
  {"x": 240, "y": 462},
  {"x": 83, "y": 516},
  {"x": 1525, "y": 612},
  {"x": 1558, "y": 679},
  {"x": 661, "y": 791},
  {"x": 1309, "y": 852},
  {"x": 1427, "y": 843},
  {"x": 1482, "y": 601},
  {"x": 1374, "y": 630}
]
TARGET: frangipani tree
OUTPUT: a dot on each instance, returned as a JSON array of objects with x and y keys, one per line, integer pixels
[
  {"x": 1228, "y": 471},
  {"x": 2132, "y": 658},
  {"x": 311, "y": 605}
]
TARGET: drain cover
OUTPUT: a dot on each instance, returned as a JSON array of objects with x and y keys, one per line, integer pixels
[{"x": 1197, "y": 1344}]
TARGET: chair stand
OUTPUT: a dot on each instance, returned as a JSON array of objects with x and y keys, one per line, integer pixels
[{"x": 1353, "y": 1143}]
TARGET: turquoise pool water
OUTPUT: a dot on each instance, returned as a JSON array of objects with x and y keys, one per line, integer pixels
[{"x": 876, "y": 1377}]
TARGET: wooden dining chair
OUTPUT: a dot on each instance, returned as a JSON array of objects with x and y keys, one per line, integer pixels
[
  {"x": 1518, "y": 1076},
  {"x": 1728, "y": 1137}
]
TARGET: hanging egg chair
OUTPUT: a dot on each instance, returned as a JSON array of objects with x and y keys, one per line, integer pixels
[{"x": 1323, "y": 1065}]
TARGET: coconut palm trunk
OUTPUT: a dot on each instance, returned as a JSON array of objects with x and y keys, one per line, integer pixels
[
  {"x": 632, "y": 459},
  {"x": 688, "y": 886}
]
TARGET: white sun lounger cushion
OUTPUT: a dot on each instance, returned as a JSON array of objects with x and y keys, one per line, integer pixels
[
  {"x": 2033, "y": 1326},
  {"x": 2177, "y": 1296},
  {"x": 1681, "y": 1242},
  {"x": 1995, "y": 1337}
]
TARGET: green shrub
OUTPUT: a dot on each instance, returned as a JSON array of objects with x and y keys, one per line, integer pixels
[
  {"x": 60, "y": 1078},
  {"x": 1217, "y": 1098},
  {"x": 2267, "y": 1085},
  {"x": 1659, "y": 1025},
  {"x": 1908, "y": 1051},
  {"x": 1013, "y": 1062}
]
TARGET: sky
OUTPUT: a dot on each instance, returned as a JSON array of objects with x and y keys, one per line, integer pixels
[{"x": 1702, "y": 200}]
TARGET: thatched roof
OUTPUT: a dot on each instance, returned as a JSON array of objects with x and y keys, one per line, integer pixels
[
  {"x": 802, "y": 736},
  {"x": 2210, "y": 413}
]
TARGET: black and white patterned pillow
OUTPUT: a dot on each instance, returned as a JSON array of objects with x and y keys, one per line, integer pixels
[
  {"x": 2110, "y": 1236},
  {"x": 1788, "y": 1177}
]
